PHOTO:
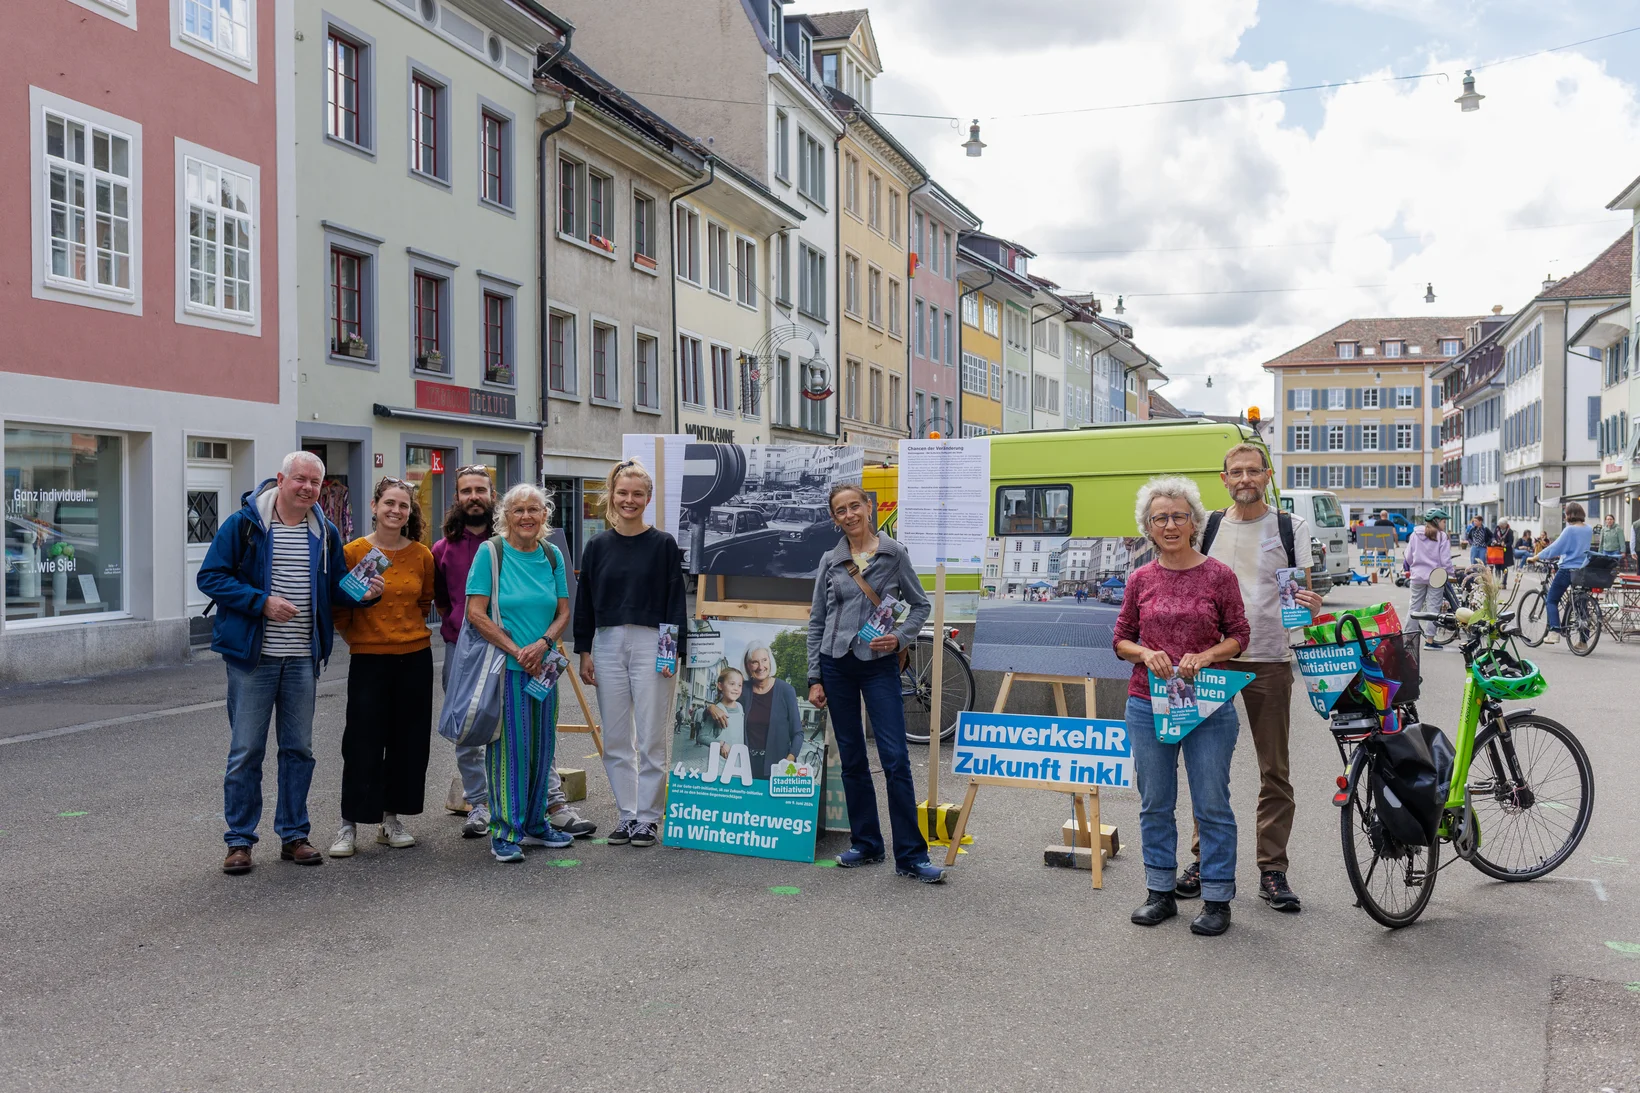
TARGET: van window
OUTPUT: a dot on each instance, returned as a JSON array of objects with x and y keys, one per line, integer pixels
[
  {"x": 1033, "y": 510},
  {"x": 1286, "y": 504},
  {"x": 1326, "y": 511}
]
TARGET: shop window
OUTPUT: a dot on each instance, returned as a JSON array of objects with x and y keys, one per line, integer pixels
[{"x": 64, "y": 524}]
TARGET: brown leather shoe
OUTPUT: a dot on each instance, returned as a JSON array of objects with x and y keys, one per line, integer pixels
[
  {"x": 301, "y": 852},
  {"x": 238, "y": 860}
]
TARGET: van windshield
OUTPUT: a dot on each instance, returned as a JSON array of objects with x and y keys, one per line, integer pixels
[{"x": 1326, "y": 512}]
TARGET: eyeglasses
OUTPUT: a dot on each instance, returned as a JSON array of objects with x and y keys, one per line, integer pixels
[
  {"x": 1165, "y": 519},
  {"x": 1241, "y": 473}
]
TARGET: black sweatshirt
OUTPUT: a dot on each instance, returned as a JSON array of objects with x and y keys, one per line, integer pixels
[{"x": 630, "y": 580}]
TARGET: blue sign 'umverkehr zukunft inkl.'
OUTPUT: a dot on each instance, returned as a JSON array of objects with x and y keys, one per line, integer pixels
[{"x": 1044, "y": 749}]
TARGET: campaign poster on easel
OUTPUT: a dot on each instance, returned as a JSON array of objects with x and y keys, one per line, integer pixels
[{"x": 748, "y": 750}]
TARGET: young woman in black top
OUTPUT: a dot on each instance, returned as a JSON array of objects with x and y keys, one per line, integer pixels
[{"x": 631, "y": 583}]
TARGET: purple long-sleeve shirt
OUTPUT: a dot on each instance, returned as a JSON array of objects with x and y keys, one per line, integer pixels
[
  {"x": 451, "y": 561},
  {"x": 1425, "y": 555}
]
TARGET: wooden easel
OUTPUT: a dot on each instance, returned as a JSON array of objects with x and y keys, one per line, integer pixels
[
  {"x": 1087, "y": 817},
  {"x": 591, "y": 726}
]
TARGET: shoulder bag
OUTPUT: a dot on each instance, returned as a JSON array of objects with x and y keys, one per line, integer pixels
[{"x": 472, "y": 711}]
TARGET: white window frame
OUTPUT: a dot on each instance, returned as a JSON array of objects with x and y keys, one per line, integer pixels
[
  {"x": 639, "y": 334},
  {"x": 122, "y": 12},
  {"x": 1347, "y": 350},
  {"x": 1338, "y": 476},
  {"x": 894, "y": 308},
  {"x": 974, "y": 371},
  {"x": 894, "y": 216},
  {"x": 1301, "y": 477},
  {"x": 48, "y": 286},
  {"x": 1303, "y": 438},
  {"x": 717, "y": 259},
  {"x": 572, "y": 352},
  {"x": 212, "y": 52},
  {"x": 782, "y": 272},
  {"x": 969, "y": 309},
  {"x": 1336, "y": 398},
  {"x": 1336, "y": 432},
  {"x": 746, "y": 271},
  {"x": 188, "y": 312},
  {"x": 1303, "y": 398},
  {"x": 874, "y": 296},
  {"x": 1371, "y": 398},
  {"x": 686, "y": 245},
  {"x": 811, "y": 167},
  {"x": 811, "y": 281},
  {"x": 691, "y": 352},
  {"x": 1376, "y": 435},
  {"x": 782, "y": 146},
  {"x": 612, "y": 368},
  {"x": 1404, "y": 398},
  {"x": 851, "y": 285},
  {"x": 993, "y": 319},
  {"x": 1403, "y": 470},
  {"x": 1369, "y": 476},
  {"x": 1404, "y": 431}
]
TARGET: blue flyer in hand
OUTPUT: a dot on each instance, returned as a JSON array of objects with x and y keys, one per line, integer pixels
[
  {"x": 542, "y": 682},
  {"x": 357, "y": 581},
  {"x": 666, "y": 649},
  {"x": 1179, "y": 705},
  {"x": 1288, "y": 582},
  {"x": 884, "y": 618}
]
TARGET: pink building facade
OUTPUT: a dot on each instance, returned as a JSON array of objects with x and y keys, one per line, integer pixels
[
  {"x": 142, "y": 388},
  {"x": 937, "y": 219}
]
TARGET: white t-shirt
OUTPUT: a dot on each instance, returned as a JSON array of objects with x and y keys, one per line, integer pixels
[
  {"x": 1253, "y": 549},
  {"x": 292, "y": 579}
]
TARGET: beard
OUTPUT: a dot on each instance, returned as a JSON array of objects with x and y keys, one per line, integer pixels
[
  {"x": 1246, "y": 495},
  {"x": 477, "y": 516}
]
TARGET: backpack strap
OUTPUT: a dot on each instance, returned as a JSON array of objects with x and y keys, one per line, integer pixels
[
  {"x": 1284, "y": 528},
  {"x": 1211, "y": 532}
]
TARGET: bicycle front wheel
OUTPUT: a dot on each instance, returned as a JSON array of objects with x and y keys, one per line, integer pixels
[
  {"x": 1582, "y": 622},
  {"x": 1532, "y": 615},
  {"x": 1532, "y": 788},
  {"x": 917, "y": 689},
  {"x": 1392, "y": 881}
]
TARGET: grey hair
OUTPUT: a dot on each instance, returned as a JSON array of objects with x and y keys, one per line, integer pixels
[
  {"x": 524, "y": 491},
  {"x": 746, "y": 657},
  {"x": 288, "y": 464},
  {"x": 1179, "y": 489}
]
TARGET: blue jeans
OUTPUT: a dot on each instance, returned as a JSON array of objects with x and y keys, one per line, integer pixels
[
  {"x": 1207, "y": 750},
  {"x": 285, "y": 683},
  {"x": 1477, "y": 554},
  {"x": 847, "y": 681},
  {"x": 1557, "y": 588}
]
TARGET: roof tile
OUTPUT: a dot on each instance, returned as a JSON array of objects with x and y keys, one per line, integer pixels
[
  {"x": 1425, "y": 332},
  {"x": 1607, "y": 275},
  {"x": 836, "y": 24}
]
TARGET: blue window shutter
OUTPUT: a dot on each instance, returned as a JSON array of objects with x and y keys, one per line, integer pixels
[
  {"x": 1417, "y": 476},
  {"x": 1594, "y": 415},
  {"x": 1417, "y": 438},
  {"x": 1349, "y": 398},
  {"x": 1417, "y": 396},
  {"x": 1289, "y": 438},
  {"x": 1289, "y": 473},
  {"x": 1290, "y": 398}
]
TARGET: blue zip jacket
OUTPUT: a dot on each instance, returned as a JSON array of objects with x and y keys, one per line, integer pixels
[{"x": 238, "y": 572}]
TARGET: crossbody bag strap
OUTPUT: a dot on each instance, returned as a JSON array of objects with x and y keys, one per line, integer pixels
[
  {"x": 495, "y": 579},
  {"x": 854, "y": 571}
]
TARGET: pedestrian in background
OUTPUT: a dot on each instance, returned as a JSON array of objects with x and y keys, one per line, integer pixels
[
  {"x": 845, "y": 669},
  {"x": 467, "y": 524},
  {"x": 1479, "y": 537},
  {"x": 1501, "y": 554},
  {"x": 1611, "y": 537},
  {"x": 1428, "y": 549},
  {"x": 1252, "y": 539},
  {"x": 631, "y": 582},
  {"x": 533, "y": 600},
  {"x": 1182, "y": 612},
  {"x": 272, "y": 571},
  {"x": 389, "y": 724}
]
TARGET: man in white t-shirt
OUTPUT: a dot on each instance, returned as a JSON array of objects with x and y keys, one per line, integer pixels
[{"x": 1250, "y": 539}]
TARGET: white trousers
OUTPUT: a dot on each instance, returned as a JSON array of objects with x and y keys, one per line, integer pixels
[{"x": 635, "y": 705}]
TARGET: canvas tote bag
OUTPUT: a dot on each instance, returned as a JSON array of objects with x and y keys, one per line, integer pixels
[{"x": 472, "y": 703}]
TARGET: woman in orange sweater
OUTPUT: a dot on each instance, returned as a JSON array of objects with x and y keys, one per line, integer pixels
[{"x": 390, "y": 677}]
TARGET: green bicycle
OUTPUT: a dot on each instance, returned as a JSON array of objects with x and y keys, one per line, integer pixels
[{"x": 1518, "y": 777}]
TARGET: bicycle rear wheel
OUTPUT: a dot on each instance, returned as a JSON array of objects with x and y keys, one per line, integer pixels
[
  {"x": 917, "y": 689},
  {"x": 1392, "y": 881},
  {"x": 1532, "y": 616},
  {"x": 1532, "y": 788},
  {"x": 1582, "y": 622}
]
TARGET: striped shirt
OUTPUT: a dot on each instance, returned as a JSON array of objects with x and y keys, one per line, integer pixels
[{"x": 292, "y": 580}]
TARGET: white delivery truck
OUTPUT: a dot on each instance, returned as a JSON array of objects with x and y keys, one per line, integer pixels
[{"x": 1320, "y": 510}]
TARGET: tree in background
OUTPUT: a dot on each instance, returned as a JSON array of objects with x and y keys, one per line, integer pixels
[{"x": 791, "y": 659}]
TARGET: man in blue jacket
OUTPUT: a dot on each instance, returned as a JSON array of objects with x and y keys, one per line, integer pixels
[{"x": 272, "y": 571}]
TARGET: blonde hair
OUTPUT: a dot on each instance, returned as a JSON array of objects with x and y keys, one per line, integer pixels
[
  {"x": 726, "y": 673},
  {"x": 524, "y": 491},
  {"x": 1178, "y": 489},
  {"x": 626, "y": 468}
]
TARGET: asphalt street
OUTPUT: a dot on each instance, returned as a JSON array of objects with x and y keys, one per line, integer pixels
[
  {"x": 1057, "y": 638},
  {"x": 129, "y": 962}
]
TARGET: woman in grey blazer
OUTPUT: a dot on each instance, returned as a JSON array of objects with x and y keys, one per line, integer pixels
[{"x": 846, "y": 668}]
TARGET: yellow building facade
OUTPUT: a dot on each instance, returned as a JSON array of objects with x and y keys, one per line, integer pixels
[{"x": 981, "y": 360}]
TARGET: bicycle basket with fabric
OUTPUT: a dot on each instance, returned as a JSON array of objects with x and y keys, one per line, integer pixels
[
  {"x": 1360, "y": 674},
  {"x": 1597, "y": 574},
  {"x": 1412, "y": 771}
]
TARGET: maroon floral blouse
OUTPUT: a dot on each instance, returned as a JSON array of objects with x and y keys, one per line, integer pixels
[{"x": 1179, "y": 611}]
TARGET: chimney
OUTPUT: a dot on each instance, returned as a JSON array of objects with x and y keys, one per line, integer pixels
[
  {"x": 1548, "y": 282},
  {"x": 1497, "y": 309}
]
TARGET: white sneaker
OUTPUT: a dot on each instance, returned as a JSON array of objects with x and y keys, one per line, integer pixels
[
  {"x": 343, "y": 847},
  {"x": 478, "y": 823},
  {"x": 393, "y": 832},
  {"x": 1552, "y": 638}
]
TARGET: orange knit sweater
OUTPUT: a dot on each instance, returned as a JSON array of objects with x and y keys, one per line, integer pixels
[{"x": 398, "y": 622}]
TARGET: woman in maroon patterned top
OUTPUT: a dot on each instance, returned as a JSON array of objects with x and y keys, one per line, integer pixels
[{"x": 1181, "y": 613}]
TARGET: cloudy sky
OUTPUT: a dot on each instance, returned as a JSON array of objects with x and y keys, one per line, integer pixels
[{"x": 1384, "y": 184}]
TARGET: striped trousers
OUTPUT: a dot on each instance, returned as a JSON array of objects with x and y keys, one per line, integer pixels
[{"x": 519, "y": 761}]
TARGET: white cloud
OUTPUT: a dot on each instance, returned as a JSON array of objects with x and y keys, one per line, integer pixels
[{"x": 1552, "y": 143}]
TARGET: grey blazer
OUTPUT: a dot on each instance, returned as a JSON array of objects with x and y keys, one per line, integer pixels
[{"x": 840, "y": 608}]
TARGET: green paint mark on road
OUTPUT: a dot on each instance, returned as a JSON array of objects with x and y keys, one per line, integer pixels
[
  {"x": 1609, "y": 859},
  {"x": 73, "y": 814},
  {"x": 1635, "y": 987},
  {"x": 565, "y": 863},
  {"x": 793, "y": 890},
  {"x": 600, "y": 842},
  {"x": 1627, "y": 948},
  {"x": 827, "y": 863}
]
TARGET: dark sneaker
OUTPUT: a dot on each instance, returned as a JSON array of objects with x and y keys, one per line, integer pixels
[
  {"x": 853, "y": 858},
  {"x": 1213, "y": 921},
  {"x": 925, "y": 871},
  {"x": 1273, "y": 889},
  {"x": 1189, "y": 884},
  {"x": 623, "y": 833},
  {"x": 1158, "y": 908},
  {"x": 643, "y": 835},
  {"x": 506, "y": 852}
]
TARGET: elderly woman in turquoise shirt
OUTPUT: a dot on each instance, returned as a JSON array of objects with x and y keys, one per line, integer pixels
[{"x": 534, "y": 603}]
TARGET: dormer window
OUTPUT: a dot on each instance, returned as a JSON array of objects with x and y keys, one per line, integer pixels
[
  {"x": 805, "y": 48},
  {"x": 1393, "y": 347},
  {"x": 1451, "y": 347},
  {"x": 1346, "y": 351},
  {"x": 776, "y": 23},
  {"x": 828, "y": 70}
]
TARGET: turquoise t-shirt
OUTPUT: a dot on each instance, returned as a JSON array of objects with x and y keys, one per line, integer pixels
[{"x": 531, "y": 586}]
